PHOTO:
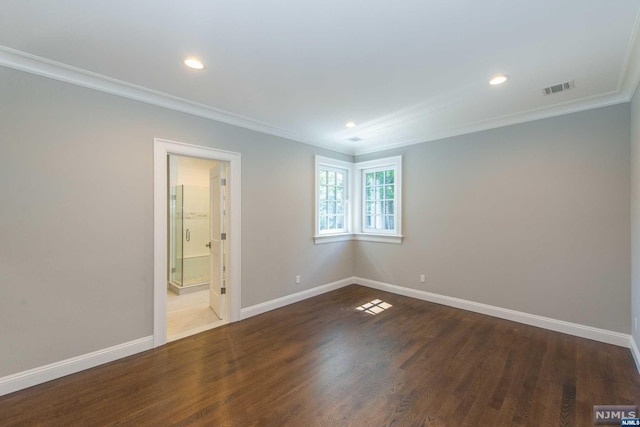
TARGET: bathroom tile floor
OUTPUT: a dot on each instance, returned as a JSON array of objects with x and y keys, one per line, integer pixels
[{"x": 189, "y": 314}]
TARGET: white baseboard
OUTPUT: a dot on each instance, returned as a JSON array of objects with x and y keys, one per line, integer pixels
[
  {"x": 635, "y": 352},
  {"x": 596, "y": 334},
  {"x": 254, "y": 310},
  {"x": 42, "y": 374}
]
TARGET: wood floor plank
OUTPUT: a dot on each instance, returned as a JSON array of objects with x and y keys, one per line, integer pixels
[{"x": 321, "y": 362}]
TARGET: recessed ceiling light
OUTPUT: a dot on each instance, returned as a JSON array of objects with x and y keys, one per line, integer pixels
[
  {"x": 194, "y": 63},
  {"x": 498, "y": 80},
  {"x": 350, "y": 124}
]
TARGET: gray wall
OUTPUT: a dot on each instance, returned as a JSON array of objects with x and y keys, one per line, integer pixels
[
  {"x": 76, "y": 219},
  {"x": 532, "y": 217},
  {"x": 635, "y": 215}
]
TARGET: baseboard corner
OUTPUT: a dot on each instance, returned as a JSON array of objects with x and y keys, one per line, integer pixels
[
  {"x": 273, "y": 304},
  {"x": 583, "y": 331}
]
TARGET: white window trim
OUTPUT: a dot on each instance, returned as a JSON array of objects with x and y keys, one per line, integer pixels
[
  {"x": 394, "y": 236},
  {"x": 354, "y": 201},
  {"x": 327, "y": 237}
]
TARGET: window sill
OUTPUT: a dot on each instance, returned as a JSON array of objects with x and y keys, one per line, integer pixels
[
  {"x": 331, "y": 238},
  {"x": 378, "y": 238}
]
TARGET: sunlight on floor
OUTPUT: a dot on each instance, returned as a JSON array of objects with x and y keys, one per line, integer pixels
[{"x": 374, "y": 307}]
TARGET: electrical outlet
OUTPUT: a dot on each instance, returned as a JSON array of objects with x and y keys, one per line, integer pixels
[
  {"x": 422, "y": 278},
  {"x": 298, "y": 278}
]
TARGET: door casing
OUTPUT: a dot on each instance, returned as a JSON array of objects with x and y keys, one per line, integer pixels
[{"x": 162, "y": 149}]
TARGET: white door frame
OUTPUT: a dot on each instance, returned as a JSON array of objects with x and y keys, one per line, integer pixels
[{"x": 161, "y": 149}]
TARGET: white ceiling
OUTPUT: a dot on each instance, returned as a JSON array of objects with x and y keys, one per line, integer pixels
[{"x": 406, "y": 71}]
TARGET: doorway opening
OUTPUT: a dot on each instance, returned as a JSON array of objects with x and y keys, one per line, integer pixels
[
  {"x": 196, "y": 284},
  {"x": 196, "y": 239}
]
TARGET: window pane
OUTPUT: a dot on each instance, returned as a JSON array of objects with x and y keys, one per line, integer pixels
[
  {"x": 332, "y": 193},
  {"x": 368, "y": 208},
  {"x": 339, "y": 222},
  {"x": 389, "y": 222},
  {"x": 332, "y": 222},
  {"x": 369, "y": 193},
  {"x": 339, "y": 208},
  {"x": 379, "y": 208},
  {"x": 332, "y": 207},
  {"x": 379, "y": 178},
  {"x": 388, "y": 192},
  {"x": 369, "y": 179},
  {"x": 323, "y": 208},
  {"x": 389, "y": 176},
  {"x": 339, "y": 179},
  {"x": 331, "y": 178},
  {"x": 339, "y": 193},
  {"x": 323, "y": 177},
  {"x": 368, "y": 221},
  {"x": 388, "y": 208},
  {"x": 379, "y": 193},
  {"x": 323, "y": 192},
  {"x": 323, "y": 222}
]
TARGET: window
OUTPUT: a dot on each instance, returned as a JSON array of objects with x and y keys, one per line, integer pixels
[
  {"x": 332, "y": 197},
  {"x": 379, "y": 200},
  {"x": 332, "y": 200},
  {"x": 376, "y": 189},
  {"x": 380, "y": 194}
]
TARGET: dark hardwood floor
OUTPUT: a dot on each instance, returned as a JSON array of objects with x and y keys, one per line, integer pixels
[{"x": 321, "y": 362}]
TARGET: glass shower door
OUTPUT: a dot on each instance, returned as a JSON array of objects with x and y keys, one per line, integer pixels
[
  {"x": 196, "y": 254},
  {"x": 190, "y": 257}
]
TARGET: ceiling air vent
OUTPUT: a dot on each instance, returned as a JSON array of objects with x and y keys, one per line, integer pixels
[
  {"x": 558, "y": 88},
  {"x": 355, "y": 139}
]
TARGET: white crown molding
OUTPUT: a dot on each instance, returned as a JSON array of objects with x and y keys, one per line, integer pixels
[
  {"x": 42, "y": 374},
  {"x": 630, "y": 73},
  {"x": 18, "y": 60},
  {"x": 22, "y": 61},
  {"x": 596, "y": 334},
  {"x": 583, "y": 104}
]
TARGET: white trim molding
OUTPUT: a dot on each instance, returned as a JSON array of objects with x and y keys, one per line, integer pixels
[
  {"x": 273, "y": 304},
  {"x": 379, "y": 238},
  {"x": 162, "y": 149},
  {"x": 596, "y": 334},
  {"x": 42, "y": 374},
  {"x": 635, "y": 352},
  {"x": 22, "y": 380},
  {"x": 23, "y": 61}
]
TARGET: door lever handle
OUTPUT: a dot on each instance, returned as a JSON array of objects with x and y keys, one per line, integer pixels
[{"x": 208, "y": 245}]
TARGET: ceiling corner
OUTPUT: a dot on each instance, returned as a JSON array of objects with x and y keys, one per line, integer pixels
[{"x": 630, "y": 73}]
